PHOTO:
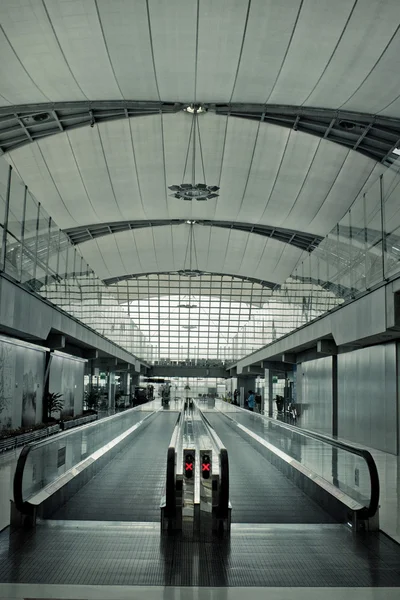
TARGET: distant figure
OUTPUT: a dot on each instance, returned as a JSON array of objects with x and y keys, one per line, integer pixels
[
  {"x": 235, "y": 397},
  {"x": 251, "y": 401}
]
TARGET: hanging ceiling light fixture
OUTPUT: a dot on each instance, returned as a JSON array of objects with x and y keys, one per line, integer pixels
[
  {"x": 190, "y": 265},
  {"x": 193, "y": 190}
]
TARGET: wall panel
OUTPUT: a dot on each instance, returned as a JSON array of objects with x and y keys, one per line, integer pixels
[
  {"x": 367, "y": 397},
  {"x": 314, "y": 384},
  {"x": 21, "y": 383},
  {"x": 66, "y": 377}
]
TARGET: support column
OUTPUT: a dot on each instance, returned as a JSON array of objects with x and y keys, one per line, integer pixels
[
  {"x": 111, "y": 390},
  {"x": 124, "y": 382},
  {"x": 244, "y": 385},
  {"x": 267, "y": 409},
  {"x": 334, "y": 396}
]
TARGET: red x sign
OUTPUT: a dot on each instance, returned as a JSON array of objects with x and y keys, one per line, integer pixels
[
  {"x": 189, "y": 466},
  {"x": 205, "y": 466}
]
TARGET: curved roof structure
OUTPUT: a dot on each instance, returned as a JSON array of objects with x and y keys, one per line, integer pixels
[
  {"x": 289, "y": 112},
  {"x": 304, "y": 53}
]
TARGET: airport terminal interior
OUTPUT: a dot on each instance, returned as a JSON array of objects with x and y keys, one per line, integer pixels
[{"x": 199, "y": 299}]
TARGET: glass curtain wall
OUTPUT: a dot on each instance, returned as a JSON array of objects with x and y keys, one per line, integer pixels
[{"x": 174, "y": 317}]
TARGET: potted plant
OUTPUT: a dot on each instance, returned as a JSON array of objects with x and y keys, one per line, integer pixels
[
  {"x": 54, "y": 404},
  {"x": 92, "y": 398}
]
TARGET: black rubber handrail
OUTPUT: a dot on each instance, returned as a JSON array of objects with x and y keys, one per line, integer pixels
[
  {"x": 170, "y": 484},
  {"x": 366, "y": 511},
  {"x": 24, "y": 507},
  {"x": 223, "y": 504}
]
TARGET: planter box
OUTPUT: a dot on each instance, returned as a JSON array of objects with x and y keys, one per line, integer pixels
[
  {"x": 26, "y": 438},
  {"x": 76, "y": 422}
]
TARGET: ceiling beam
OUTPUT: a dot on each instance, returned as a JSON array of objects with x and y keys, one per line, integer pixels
[
  {"x": 300, "y": 239},
  {"x": 373, "y": 135}
]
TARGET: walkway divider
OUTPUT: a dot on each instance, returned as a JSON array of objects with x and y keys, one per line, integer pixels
[{"x": 196, "y": 495}]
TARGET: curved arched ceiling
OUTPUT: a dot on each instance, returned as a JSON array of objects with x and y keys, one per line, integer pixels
[
  {"x": 121, "y": 170},
  {"x": 341, "y": 54},
  {"x": 164, "y": 249}
]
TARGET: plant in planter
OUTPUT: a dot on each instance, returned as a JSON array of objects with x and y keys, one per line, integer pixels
[
  {"x": 92, "y": 398},
  {"x": 54, "y": 404}
]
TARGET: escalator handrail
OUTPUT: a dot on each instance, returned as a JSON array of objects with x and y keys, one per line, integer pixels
[
  {"x": 223, "y": 503},
  {"x": 367, "y": 511},
  {"x": 170, "y": 482}
]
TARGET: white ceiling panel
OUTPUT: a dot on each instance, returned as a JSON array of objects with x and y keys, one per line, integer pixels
[
  {"x": 296, "y": 162},
  {"x": 16, "y": 86},
  {"x": 61, "y": 161},
  {"x": 173, "y": 28},
  {"x": 126, "y": 32},
  {"x": 88, "y": 148},
  {"x": 165, "y": 249},
  {"x": 148, "y": 140},
  {"x": 270, "y": 148},
  {"x": 318, "y": 30},
  {"x": 119, "y": 150},
  {"x": 317, "y": 184},
  {"x": 380, "y": 91},
  {"x": 221, "y": 30},
  {"x": 79, "y": 33},
  {"x": 240, "y": 143},
  {"x": 268, "y": 33},
  {"x": 368, "y": 32},
  {"x": 349, "y": 183},
  {"x": 36, "y": 47}
]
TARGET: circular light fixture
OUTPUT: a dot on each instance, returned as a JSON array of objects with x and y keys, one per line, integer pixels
[{"x": 197, "y": 191}]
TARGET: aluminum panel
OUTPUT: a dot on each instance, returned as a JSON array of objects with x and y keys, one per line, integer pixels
[
  {"x": 315, "y": 397},
  {"x": 367, "y": 397}
]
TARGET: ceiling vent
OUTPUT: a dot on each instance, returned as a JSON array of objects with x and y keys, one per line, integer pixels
[
  {"x": 38, "y": 118},
  {"x": 347, "y": 125}
]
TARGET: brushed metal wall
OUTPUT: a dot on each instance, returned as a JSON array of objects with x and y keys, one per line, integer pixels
[
  {"x": 367, "y": 397},
  {"x": 314, "y": 383}
]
